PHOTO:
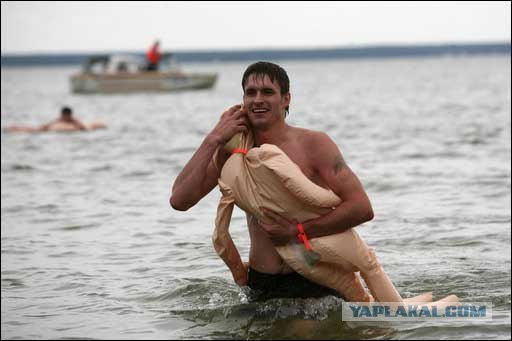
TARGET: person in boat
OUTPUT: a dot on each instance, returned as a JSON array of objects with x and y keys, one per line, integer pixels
[
  {"x": 262, "y": 116},
  {"x": 153, "y": 57},
  {"x": 66, "y": 122}
]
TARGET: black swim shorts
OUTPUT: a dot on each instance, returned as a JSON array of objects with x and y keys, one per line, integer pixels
[{"x": 266, "y": 286}]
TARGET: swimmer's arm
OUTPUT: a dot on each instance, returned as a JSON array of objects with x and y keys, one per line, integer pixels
[
  {"x": 46, "y": 126},
  {"x": 355, "y": 208},
  {"x": 79, "y": 124}
]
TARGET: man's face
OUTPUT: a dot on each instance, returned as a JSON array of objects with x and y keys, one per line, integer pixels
[{"x": 263, "y": 101}]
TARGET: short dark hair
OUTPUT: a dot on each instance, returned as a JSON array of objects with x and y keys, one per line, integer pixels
[
  {"x": 273, "y": 71},
  {"x": 66, "y": 111}
]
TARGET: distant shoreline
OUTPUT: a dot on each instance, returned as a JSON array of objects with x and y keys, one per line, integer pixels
[{"x": 390, "y": 51}]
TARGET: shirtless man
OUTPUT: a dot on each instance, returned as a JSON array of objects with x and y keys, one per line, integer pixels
[
  {"x": 66, "y": 119},
  {"x": 266, "y": 103},
  {"x": 66, "y": 122}
]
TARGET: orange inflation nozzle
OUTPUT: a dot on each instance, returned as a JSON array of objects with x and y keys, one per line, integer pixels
[
  {"x": 302, "y": 236},
  {"x": 239, "y": 150}
]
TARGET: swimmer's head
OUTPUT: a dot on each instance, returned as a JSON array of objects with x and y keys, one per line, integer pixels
[{"x": 66, "y": 112}]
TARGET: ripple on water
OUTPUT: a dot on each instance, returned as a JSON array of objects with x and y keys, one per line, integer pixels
[
  {"x": 12, "y": 282},
  {"x": 64, "y": 254},
  {"x": 77, "y": 227},
  {"x": 20, "y": 167},
  {"x": 137, "y": 174},
  {"x": 104, "y": 168}
]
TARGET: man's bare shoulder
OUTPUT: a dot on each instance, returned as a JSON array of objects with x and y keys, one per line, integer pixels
[
  {"x": 313, "y": 139},
  {"x": 320, "y": 149}
]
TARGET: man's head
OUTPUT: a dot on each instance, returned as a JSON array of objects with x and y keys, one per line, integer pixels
[
  {"x": 66, "y": 112},
  {"x": 266, "y": 93}
]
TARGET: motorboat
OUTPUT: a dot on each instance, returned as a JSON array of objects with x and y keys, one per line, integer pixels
[{"x": 128, "y": 74}]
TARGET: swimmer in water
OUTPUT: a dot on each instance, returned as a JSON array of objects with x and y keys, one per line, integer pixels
[{"x": 66, "y": 122}]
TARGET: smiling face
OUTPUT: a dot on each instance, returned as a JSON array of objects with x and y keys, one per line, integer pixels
[{"x": 263, "y": 101}]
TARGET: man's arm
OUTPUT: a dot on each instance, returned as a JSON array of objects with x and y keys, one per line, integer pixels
[
  {"x": 79, "y": 124},
  {"x": 355, "y": 207},
  {"x": 46, "y": 126},
  {"x": 199, "y": 176}
]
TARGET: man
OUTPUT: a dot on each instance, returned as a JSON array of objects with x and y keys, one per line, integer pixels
[
  {"x": 66, "y": 119},
  {"x": 266, "y": 103},
  {"x": 66, "y": 122},
  {"x": 153, "y": 56}
]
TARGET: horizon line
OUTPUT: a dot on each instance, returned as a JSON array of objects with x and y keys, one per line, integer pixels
[{"x": 270, "y": 49}]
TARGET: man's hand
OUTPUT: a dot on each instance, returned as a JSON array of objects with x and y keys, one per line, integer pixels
[
  {"x": 200, "y": 174},
  {"x": 242, "y": 278},
  {"x": 281, "y": 231},
  {"x": 232, "y": 121}
]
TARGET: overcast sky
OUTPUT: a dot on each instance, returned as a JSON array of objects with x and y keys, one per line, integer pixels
[{"x": 131, "y": 26}]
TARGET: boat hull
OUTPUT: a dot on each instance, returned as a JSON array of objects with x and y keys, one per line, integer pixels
[{"x": 89, "y": 83}]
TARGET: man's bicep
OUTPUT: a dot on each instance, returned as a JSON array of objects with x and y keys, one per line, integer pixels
[
  {"x": 219, "y": 158},
  {"x": 346, "y": 184},
  {"x": 80, "y": 124},
  {"x": 335, "y": 172},
  {"x": 214, "y": 168}
]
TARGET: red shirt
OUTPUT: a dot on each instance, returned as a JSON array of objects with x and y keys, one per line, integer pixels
[{"x": 153, "y": 54}]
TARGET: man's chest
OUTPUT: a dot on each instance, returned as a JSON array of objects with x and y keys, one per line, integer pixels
[{"x": 296, "y": 152}]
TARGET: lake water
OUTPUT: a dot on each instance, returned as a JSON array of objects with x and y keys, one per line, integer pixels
[{"x": 92, "y": 249}]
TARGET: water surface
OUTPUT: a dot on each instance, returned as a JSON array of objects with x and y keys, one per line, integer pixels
[{"x": 91, "y": 248}]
